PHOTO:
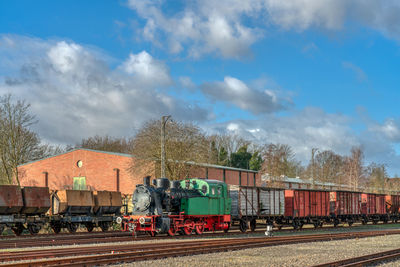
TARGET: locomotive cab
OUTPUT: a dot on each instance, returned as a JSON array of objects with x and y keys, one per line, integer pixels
[{"x": 183, "y": 206}]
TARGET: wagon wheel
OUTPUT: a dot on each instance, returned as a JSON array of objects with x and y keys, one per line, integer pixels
[
  {"x": 104, "y": 226},
  {"x": 243, "y": 226},
  {"x": 199, "y": 229},
  {"x": 375, "y": 222},
  {"x": 56, "y": 228},
  {"x": 295, "y": 225},
  {"x": 89, "y": 227},
  {"x": 72, "y": 227},
  {"x": 301, "y": 225},
  {"x": 280, "y": 227},
  {"x": 350, "y": 223},
  {"x": 18, "y": 229},
  {"x": 172, "y": 230},
  {"x": 33, "y": 229},
  {"x": 253, "y": 225},
  {"x": 335, "y": 223},
  {"x": 188, "y": 228},
  {"x": 227, "y": 229},
  {"x": 316, "y": 224}
]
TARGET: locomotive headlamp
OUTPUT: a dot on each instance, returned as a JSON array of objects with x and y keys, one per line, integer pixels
[
  {"x": 142, "y": 220},
  {"x": 118, "y": 220}
]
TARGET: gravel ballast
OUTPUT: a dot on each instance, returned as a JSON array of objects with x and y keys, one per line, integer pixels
[{"x": 306, "y": 254}]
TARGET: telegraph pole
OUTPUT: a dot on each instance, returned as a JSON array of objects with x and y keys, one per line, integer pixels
[
  {"x": 313, "y": 151},
  {"x": 164, "y": 120}
]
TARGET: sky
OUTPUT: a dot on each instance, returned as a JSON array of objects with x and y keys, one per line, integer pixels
[{"x": 308, "y": 73}]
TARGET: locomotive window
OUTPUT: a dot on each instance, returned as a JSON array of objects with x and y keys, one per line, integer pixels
[
  {"x": 204, "y": 189},
  {"x": 212, "y": 190},
  {"x": 219, "y": 190}
]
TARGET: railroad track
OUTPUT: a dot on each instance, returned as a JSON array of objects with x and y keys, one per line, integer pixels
[
  {"x": 64, "y": 234},
  {"x": 365, "y": 260},
  {"x": 89, "y": 256},
  {"x": 116, "y": 236},
  {"x": 88, "y": 239}
]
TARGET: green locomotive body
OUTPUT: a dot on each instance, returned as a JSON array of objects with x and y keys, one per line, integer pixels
[{"x": 213, "y": 200}]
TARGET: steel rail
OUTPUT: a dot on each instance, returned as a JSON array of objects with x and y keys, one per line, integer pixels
[
  {"x": 169, "y": 249},
  {"x": 364, "y": 260},
  {"x": 116, "y": 236}
]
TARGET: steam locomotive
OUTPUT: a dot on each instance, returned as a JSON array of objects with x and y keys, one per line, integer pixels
[{"x": 191, "y": 205}]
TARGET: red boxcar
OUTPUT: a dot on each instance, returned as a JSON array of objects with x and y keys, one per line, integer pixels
[
  {"x": 368, "y": 204},
  {"x": 306, "y": 203},
  {"x": 392, "y": 204},
  {"x": 380, "y": 204},
  {"x": 344, "y": 203}
]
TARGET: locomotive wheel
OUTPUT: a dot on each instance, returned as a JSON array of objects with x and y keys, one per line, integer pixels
[
  {"x": 243, "y": 226},
  {"x": 227, "y": 229},
  {"x": 72, "y": 227},
  {"x": 152, "y": 233},
  {"x": 172, "y": 230},
  {"x": 33, "y": 229},
  {"x": 188, "y": 228},
  {"x": 253, "y": 225},
  {"x": 199, "y": 229},
  {"x": 89, "y": 227}
]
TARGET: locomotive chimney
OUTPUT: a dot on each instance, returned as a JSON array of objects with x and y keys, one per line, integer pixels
[{"x": 146, "y": 180}]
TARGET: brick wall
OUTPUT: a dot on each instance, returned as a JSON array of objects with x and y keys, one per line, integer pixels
[{"x": 99, "y": 168}]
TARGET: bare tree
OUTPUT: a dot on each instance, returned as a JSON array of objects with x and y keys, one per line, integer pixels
[
  {"x": 185, "y": 144},
  {"x": 107, "y": 143},
  {"x": 230, "y": 143},
  {"x": 327, "y": 167},
  {"x": 18, "y": 144},
  {"x": 377, "y": 177},
  {"x": 353, "y": 168},
  {"x": 280, "y": 160}
]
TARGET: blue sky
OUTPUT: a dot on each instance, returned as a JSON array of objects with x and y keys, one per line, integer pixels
[{"x": 307, "y": 73}]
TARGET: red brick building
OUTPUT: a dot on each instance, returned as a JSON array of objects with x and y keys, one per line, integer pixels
[{"x": 100, "y": 170}]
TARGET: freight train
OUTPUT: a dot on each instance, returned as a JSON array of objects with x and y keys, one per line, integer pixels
[
  {"x": 198, "y": 205},
  {"x": 33, "y": 207},
  {"x": 187, "y": 206}
]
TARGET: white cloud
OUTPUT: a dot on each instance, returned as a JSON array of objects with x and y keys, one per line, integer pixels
[
  {"x": 360, "y": 74},
  {"x": 228, "y": 28},
  {"x": 314, "y": 128},
  {"x": 75, "y": 94},
  {"x": 302, "y": 130},
  {"x": 390, "y": 129},
  {"x": 147, "y": 70},
  {"x": 236, "y": 92}
]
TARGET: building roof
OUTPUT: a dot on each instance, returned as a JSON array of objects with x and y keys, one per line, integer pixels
[
  {"x": 76, "y": 149},
  {"x": 206, "y": 165}
]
